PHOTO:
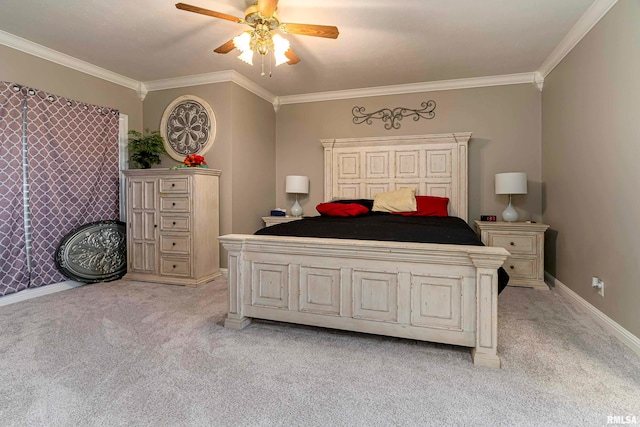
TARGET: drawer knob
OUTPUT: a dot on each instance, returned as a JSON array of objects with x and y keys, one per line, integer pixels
[
  {"x": 173, "y": 244},
  {"x": 174, "y": 266},
  {"x": 155, "y": 225},
  {"x": 174, "y": 203},
  {"x": 512, "y": 243},
  {"x": 511, "y": 267},
  {"x": 174, "y": 223},
  {"x": 173, "y": 185}
]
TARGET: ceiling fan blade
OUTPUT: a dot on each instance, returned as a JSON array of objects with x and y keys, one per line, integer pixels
[
  {"x": 267, "y": 7},
  {"x": 225, "y": 48},
  {"x": 327, "y": 31},
  {"x": 293, "y": 58},
  {"x": 196, "y": 9}
]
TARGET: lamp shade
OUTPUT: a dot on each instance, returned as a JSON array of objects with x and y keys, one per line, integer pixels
[
  {"x": 297, "y": 184},
  {"x": 511, "y": 183}
]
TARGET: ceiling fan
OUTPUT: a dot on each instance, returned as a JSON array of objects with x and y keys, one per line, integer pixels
[{"x": 263, "y": 18}]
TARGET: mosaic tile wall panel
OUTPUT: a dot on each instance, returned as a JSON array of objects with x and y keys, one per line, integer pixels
[
  {"x": 14, "y": 275},
  {"x": 72, "y": 174}
]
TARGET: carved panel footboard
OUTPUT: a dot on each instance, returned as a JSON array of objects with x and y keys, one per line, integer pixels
[{"x": 428, "y": 292}]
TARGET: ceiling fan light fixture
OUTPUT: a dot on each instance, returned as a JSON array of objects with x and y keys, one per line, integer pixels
[
  {"x": 243, "y": 44},
  {"x": 261, "y": 40},
  {"x": 247, "y": 56},
  {"x": 263, "y": 18},
  {"x": 243, "y": 41},
  {"x": 262, "y": 48},
  {"x": 280, "y": 46}
]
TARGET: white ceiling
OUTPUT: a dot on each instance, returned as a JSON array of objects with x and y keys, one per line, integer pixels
[{"x": 381, "y": 42}]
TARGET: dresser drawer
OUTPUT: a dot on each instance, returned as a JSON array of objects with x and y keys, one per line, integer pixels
[
  {"x": 174, "y": 185},
  {"x": 173, "y": 266},
  {"x": 175, "y": 244},
  {"x": 175, "y": 204},
  {"x": 515, "y": 243},
  {"x": 174, "y": 223},
  {"x": 521, "y": 268}
]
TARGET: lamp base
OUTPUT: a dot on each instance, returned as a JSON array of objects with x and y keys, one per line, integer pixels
[
  {"x": 296, "y": 209},
  {"x": 510, "y": 214}
]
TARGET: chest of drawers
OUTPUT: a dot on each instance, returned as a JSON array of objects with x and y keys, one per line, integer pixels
[{"x": 172, "y": 225}]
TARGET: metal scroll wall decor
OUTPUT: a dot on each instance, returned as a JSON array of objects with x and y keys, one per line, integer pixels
[
  {"x": 392, "y": 118},
  {"x": 188, "y": 126}
]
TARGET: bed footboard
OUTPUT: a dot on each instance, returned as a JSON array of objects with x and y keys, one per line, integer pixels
[{"x": 428, "y": 292}]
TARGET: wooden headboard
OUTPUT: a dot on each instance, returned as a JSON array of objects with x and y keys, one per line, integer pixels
[{"x": 435, "y": 165}]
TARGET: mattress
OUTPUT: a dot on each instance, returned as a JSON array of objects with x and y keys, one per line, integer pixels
[{"x": 385, "y": 227}]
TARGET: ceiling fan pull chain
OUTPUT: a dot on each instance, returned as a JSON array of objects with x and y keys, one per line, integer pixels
[
  {"x": 270, "y": 64},
  {"x": 262, "y": 59}
]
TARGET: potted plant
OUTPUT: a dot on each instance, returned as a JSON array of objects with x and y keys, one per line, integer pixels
[{"x": 145, "y": 150}]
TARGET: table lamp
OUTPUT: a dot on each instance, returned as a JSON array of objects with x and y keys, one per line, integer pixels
[
  {"x": 511, "y": 183},
  {"x": 297, "y": 184}
]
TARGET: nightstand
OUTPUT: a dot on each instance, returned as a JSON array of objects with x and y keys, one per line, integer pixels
[
  {"x": 273, "y": 220},
  {"x": 525, "y": 243}
]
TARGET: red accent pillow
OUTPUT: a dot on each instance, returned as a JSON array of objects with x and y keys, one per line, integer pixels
[
  {"x": 341, "y": 209},
  {"x": 429, "y": 206}
]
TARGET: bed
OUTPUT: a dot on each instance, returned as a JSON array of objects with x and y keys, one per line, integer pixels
[{"x": 445, "y": 293}]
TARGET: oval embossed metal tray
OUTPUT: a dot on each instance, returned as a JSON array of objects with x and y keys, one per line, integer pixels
[{"x": 94, "y": 252}]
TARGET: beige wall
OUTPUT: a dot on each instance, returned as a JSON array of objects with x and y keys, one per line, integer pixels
[
  {"x": 254, "y": 160},
  {"x": 590, "y": 165},
  {"x": 505, "y": 121},
  {"x": 244, "y": 150},
  {"x": 25, "y": 69},
  {"x": 219, "y": 156}
]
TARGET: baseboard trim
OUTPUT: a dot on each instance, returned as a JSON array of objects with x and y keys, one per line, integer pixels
[
  {"x": 602, "y": 319},
  {"x": 27, "y": 294},
  {"x": 38, "y": 292}
]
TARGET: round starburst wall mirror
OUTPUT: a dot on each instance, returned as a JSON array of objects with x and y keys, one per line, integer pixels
[{"x": 188, "y": 126}]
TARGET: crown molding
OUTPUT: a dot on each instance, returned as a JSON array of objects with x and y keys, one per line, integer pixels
[
  {"x": 538, "y": 80},
  {"x": 581, "y": 28},
  {"x": 186, "y": 81},
  {"x": 142, "y": 91},
  {"x": 586, "y": 22},
  {"x": 254, "y": 88},
  {"x": 209, "y": 78},
  {"x": 60, "y": 58},
  {"x": 277, "y": 101},
  {"x": 507, "y": 79}
]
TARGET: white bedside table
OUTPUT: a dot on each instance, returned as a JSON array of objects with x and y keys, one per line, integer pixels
[
  {"x": 273, "y": 220},
  {"x": 525, "y": 242}
]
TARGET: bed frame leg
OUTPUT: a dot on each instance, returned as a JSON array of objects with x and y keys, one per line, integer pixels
[
  {"x": 239, "y": 323},
  {"x": 484, "y": 359},
  {"x": 485, "y": 352},
  {"x": 238, "y": 269}
]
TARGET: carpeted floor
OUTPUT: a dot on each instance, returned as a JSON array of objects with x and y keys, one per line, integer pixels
[{"x": 138, "y": 354}]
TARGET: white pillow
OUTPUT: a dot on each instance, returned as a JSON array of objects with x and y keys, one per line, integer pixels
[{"x": 402, "y": 200}]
